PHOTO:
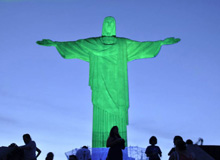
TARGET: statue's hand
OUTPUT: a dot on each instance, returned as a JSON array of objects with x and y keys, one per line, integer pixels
[
  {"x": 171, "y": 40},
  {"x": 46, "y": 42}
]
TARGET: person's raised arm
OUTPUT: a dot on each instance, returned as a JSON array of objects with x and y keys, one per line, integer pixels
[{"x": 46, "y": 42}]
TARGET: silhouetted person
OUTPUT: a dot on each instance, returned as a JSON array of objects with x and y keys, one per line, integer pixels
[
  {"x": 181, "y": 153},
  {"x": 30, "y": 148},
  {"x": 116, "y": 144},
  {"x": 12, "y": 152},
  {"x": 199, "y": 153},
  {"x": 189, "y": 142},
  {"x": 5, "y": 151},
  {"x": 175, "y": 140},
  {"x": 50, "y": 156},
  {"x": 83, "y": 154},
  {"x": 16, "y": 154},
  {"x": 153, "y": 151},
  {"x": 72, "y": 157}
]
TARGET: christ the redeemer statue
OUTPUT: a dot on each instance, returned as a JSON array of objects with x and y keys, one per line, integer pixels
[{"x": 108, "y": 78}]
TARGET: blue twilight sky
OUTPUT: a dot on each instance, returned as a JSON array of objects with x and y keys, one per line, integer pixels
[{"x": 47, "y": 96}]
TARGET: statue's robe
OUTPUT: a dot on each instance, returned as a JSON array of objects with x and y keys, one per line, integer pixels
[{"x": 108, "y": 78}]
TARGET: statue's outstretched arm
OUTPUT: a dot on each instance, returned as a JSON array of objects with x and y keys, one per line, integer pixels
[
  {"x": 46, "y": 42},
  {"x": 170, "y": 40},
  {"x": 71, "y": 49}
]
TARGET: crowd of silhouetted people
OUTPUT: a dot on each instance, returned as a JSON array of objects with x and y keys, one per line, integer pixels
[
  {"x": 30, "y": 151},
  {"x": 182, "y": 150},
  {"x": 26, "y": 152}
]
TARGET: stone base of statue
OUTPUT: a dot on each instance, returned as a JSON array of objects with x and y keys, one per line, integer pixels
[{"x": 129, "y": 153}]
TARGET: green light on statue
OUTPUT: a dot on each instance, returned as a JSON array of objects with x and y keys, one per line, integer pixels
[{"x": 108, "y": 56}]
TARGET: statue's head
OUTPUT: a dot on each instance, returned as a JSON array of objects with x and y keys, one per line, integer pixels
[{"x": 108, "y": 28}]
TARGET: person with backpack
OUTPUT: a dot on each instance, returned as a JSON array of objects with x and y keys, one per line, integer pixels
[
  {"x": 83, "y": 154},
  {"x": 181, "y": 152}
]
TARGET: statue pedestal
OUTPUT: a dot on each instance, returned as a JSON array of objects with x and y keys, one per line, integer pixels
[
  {"x": 129, "y": 153},
  {"x": 99, "y": 153}
]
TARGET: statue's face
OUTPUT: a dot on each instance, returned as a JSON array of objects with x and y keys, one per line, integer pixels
[{"x": 108, "y": 28}]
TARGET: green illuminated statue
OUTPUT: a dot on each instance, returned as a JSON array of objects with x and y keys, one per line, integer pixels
[{"x": 108, "y": 56}]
